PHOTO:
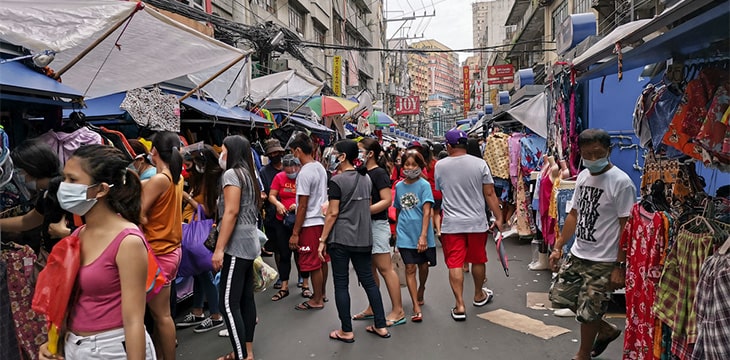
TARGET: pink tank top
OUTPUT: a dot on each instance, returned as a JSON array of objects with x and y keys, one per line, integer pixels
[{"x": 98, "y": 306}]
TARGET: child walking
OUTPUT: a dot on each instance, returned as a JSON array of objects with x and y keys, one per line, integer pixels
[{"x": 414, "y": 231}]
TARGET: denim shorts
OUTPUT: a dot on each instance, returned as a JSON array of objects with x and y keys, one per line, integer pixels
[
  {"x": 381, "y": 236},
  {"x": 107, "y": 345}
]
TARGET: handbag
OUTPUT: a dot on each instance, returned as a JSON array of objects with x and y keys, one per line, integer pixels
[
  {"x": 400, "y": 267},
  {"x": 263, "y": 275},
  {"x": 289, "y": 219},
  {"x": 196, "y": 257}
]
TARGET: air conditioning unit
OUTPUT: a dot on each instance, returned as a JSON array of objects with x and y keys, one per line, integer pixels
[{"x": 279, "y": 65}]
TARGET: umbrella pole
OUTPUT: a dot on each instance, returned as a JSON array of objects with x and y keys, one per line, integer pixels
[
  {"x": 217, "y": 74},
  {"x": 140, "y": 6},
  {"x": 298, "y": 107}
]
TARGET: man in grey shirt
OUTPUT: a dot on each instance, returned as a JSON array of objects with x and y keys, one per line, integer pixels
[{"x": 466, "y": 184}]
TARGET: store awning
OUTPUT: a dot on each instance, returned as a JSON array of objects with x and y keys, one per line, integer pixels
[
  {"x": 214, "y": 110},
  {"x": 286, "y": 84},
  {"x": 311, "y": 125},
  {"x": 635, "y": 33},
  {"x": 533, "y": 114},
  {"x": 694, "y": 35},
  {"x": 18, "y": 78},
  {"x": 102, "y": 107}
]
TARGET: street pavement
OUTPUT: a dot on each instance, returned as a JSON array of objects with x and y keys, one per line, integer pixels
[{"x": 284, "y": 333}]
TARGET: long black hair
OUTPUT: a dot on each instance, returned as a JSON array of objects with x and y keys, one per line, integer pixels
[
  {"x": 167, "y": 144},
  {"x": 240, "y": 156},
  {"x": 373, "y": 145},
  {"x": 108, "y": 164},
  {"x": 349, "y": 148},
  {"x": 207, "y": 180},
  {"x": 37, "y": 159}
]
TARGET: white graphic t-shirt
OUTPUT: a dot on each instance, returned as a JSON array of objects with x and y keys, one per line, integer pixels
[{"x": 600, "y": 201}]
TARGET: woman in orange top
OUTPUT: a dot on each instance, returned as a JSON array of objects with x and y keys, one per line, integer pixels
[{"x": 162, "y": 224}]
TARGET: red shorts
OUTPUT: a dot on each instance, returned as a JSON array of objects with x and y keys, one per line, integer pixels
[
  {"x": 169, "y": 264},
  {"x": 309, "y": 247},
  {"x": 464, "y": 247}
]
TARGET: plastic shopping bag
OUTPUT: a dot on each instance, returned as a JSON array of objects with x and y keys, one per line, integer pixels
[
  {"x": 263, "y": 275},
  {"x": 400, "y": 267},
  {"x": 196, "y": 258}
]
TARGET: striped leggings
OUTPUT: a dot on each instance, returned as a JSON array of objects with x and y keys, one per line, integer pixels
[{"x": 237, "y": 302}]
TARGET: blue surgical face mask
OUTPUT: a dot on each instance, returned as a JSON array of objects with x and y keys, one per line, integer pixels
[
  {"x": 595, "y": 166},
  {"x": 334, "y": 162},
  {"x": 293, "y": 175}
]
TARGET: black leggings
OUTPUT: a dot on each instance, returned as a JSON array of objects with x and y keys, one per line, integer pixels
[
  {"x": 237, "y": 302},
  {"x": 280, "y": 234}
]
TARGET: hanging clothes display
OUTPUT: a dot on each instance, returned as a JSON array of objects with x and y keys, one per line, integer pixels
[
  {"x": 713, "y": 305},
  {"x": 65, "y": 143},
  {"x": 8, "y": 341},
  {"x": 153, "y": 109},
  {"x": 546, "y": 191},
  {"x": 497, "y": 155}
]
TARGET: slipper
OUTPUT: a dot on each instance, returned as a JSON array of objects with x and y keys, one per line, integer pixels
[
  {"x": 457, "y": 316},
  {"x": 363, "y": 316},
  {"x": 599, "y": 346},
  {"x": 306, "y": 293},
  {"x": 229, "y": 356},
  {"x": 335, "y": 335},
  {"x": 280, "y": 295},
  {"x": 371, "y": 329},
  {"x": 417, "y": 317},
  {"x": 306, "y": 306},
  {"x": 325, "y": 299},
  {"x": 391, "y": 323},
  {"x": 488, "y": 296}
]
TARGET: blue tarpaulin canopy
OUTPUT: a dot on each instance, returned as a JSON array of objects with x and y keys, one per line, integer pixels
[{"x": 16, "y": 77}]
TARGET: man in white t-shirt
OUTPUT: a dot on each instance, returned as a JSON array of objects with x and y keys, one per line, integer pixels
[
  {"x": 466, "y": 184},
  {"x": 602, "y": 202},
  {"x": 307, "y": 231}
]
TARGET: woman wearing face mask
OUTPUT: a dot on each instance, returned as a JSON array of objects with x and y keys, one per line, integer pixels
[
  {"x": 205, "y": 174},
  {"x": 238, "y": 243},
  {"x": 142, "y": 163},
  {"x": 162, "y": 219},
  {"x": 106, "y": 320},
  {"x": 347, "y": 237},
  {"x": 381, "y": 196},
  {"x": 283, "y": 195},
  {"x": 415, "y": 238}
]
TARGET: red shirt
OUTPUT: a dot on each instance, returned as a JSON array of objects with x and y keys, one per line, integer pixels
[{"x": 287, "y": 189}]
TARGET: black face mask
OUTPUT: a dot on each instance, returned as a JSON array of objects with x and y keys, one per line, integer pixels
[{"x": 275, "y": 159}]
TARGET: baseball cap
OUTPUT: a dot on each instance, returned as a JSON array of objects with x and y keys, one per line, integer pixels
[
  {"x": 413, "y": 144},
  {"x": 455, "y": 136}
]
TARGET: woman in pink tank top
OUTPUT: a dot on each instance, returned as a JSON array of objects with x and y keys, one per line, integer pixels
[{"x": 106, "y": 319}]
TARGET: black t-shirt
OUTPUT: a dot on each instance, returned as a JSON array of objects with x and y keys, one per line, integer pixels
[
  {"x": 380, "y": 179},
  {"x": 268, "y": 173},
  {"x": 51, "y": 214}
]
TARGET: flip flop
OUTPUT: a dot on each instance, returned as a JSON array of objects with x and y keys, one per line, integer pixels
[
  {"x": 391, "y": 323},
  {"x": 305, "y": 306},
  {"x": 599, "y": 346},
  {"x": 371, "y": 329},
  {"x": 335, "y": 335},
  {"x": 363, "y": 316},
  {"x": 417, "y": 317},
  {"x": 488, "y": 295},
  {"x": 457, "y": 316}
]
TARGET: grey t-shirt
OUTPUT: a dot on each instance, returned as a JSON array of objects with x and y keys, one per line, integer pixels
[
  {"x": 352, "y": 227},
  {"x": 312, "y": 182},
  {"x": 461, "y": 180},
  {"x": 244, "y": 242}
]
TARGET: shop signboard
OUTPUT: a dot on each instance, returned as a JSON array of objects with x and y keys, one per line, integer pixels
[
  {"x": 467, "y": 105},
  {"x": 573, "y": 30},
  {"x": 407, "y": 105},
  {"x": 478, "y": 95},
  {"x": 337, "y": 75}
]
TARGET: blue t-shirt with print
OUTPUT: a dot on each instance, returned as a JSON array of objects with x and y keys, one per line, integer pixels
[{"x": 409, "y": 199}]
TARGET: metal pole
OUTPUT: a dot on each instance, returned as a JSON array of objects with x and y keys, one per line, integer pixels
[{"x": 221, "y": 71}]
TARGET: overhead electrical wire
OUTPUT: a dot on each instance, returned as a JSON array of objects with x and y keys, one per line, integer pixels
[{"x": 495, "y": 48}]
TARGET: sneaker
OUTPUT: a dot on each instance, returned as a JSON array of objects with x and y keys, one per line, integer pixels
[
  {"x": 190, "y": 320},
  {"x": 208, "y": 324},
  {"x": 564, "y": 313},
  {"x": 223, "y": 333}
]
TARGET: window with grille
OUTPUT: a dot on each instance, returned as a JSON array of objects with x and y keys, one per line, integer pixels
[
  {"x": 581, "y": 6},
  {"x": 560, "y": 13},
  {"x": 320, "y": 35},
  {"x": 296, "y": 20}
]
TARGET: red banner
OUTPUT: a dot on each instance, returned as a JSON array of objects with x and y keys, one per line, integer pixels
[
  {"x": 407, "y": 105},
  {"x": 500, "y": 81},
  {"x": 466, "y": 91},
  {"x": 500, "y": 71}
]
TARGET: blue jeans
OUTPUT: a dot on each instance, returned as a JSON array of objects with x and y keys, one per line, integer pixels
[
  {"x": 203, "y": 288},
  {"x": 340, "y": 257}
]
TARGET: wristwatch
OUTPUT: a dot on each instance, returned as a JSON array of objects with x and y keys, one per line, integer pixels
[{"x": 621, "y": 264}]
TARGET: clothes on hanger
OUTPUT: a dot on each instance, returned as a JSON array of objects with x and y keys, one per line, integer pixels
[
  {"x": 8, "y": 341},
  {"x": 64, "y": 144}
]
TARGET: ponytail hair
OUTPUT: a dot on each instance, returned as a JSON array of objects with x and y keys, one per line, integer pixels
[
  {"x": 107, "y": 164},
  {"x": 373, "y": 145},
  {"x": 349, "y": 148},
  {"x": 167, "y": 144}
]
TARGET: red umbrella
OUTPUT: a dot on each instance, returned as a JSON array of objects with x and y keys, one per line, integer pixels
[
  {"x": 55, "y": 285},
  {"x": 501, "y": 253}
]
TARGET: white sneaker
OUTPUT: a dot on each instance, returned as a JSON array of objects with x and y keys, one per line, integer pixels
[
  {"x": 564, "y": 313},
  {"x": 223, "y": 333}
]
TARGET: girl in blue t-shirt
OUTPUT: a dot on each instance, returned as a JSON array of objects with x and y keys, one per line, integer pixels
[{"x": 415, "y": 239}]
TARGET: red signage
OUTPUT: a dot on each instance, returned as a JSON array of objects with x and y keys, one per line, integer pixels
[
  {"x": 466, "y": 91},
  {"x": 407, "y": 105},
  {"x": 500, "y": 81},
  {"x": 500, "y": 71}
]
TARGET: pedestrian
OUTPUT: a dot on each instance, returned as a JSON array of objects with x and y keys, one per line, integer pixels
[
  {"x": 204, "y": 178},
  {"x": 347, "y": 237},
  {"x": 596, "y": 265},
  {"x": 415, "y": 236},
  {"x": 274, "y": 152},
  {"x": 162, "y": 224},
  {"x": 371, "y": 154},
  {"x": 106, "y": 318},
  {"x": 142, "y": 163},
  {"x": 307, "y": 231},
  {"x": 238, "y": 244},
  {"x": 466, "y": 184},
  {"x": 283, "y": 195}
]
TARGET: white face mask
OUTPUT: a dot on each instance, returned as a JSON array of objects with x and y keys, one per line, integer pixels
[
  {"x": 222, "y": 162},
  {"x": 72, "y": 198},
  {"x": 31, "y": 185}
]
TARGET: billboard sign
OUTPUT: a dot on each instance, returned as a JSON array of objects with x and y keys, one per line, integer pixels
[{"x": 407, "y": 105}]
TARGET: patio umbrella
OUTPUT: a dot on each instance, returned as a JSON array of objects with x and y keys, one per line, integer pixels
[
  {"x": 379, "y": 118},
  {"x": 330, "y": 105},
  {"x": 55, "y": 285},
  {"x": 464, "y": 127},
  {"x": 501, "y": 253}
]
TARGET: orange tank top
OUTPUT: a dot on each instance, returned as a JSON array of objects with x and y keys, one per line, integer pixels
[{"x": 164, "y": 220}]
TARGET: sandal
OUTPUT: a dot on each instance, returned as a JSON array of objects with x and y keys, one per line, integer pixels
[
  {"x": 363, "y": 316},
  {"x": 280, "y": 295},
  {"x": 417, "y": 317},
  {"x": 277, "y": 285},
  {"x": 335, "y": 335},
  {"x": 306, "y": 306},
  {"x": 600, "y": 345},
  {"x": 229, "y": 356},
  {"x": 306, "y": 293},
  {"x": 371, "y": 329}
]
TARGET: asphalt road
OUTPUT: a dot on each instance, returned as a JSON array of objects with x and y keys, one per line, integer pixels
[{"x": 284, "y": 333}]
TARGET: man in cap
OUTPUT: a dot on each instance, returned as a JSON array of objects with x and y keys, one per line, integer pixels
[
  {"x": 466, "y": 184},
  {"x": 274, "y": 152}
]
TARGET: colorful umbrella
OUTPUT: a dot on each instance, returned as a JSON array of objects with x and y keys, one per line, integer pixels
[
  {"x": 378, "y": 118},
  {"x": 464, "y": 127},
  {"x": 330, "y": 105},
  {"x": 501, "y": 253}
]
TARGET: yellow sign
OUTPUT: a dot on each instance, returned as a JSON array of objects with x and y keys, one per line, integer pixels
[
  {"x": 493, "y": 98},
  {"x": 337, "y": 75}
]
